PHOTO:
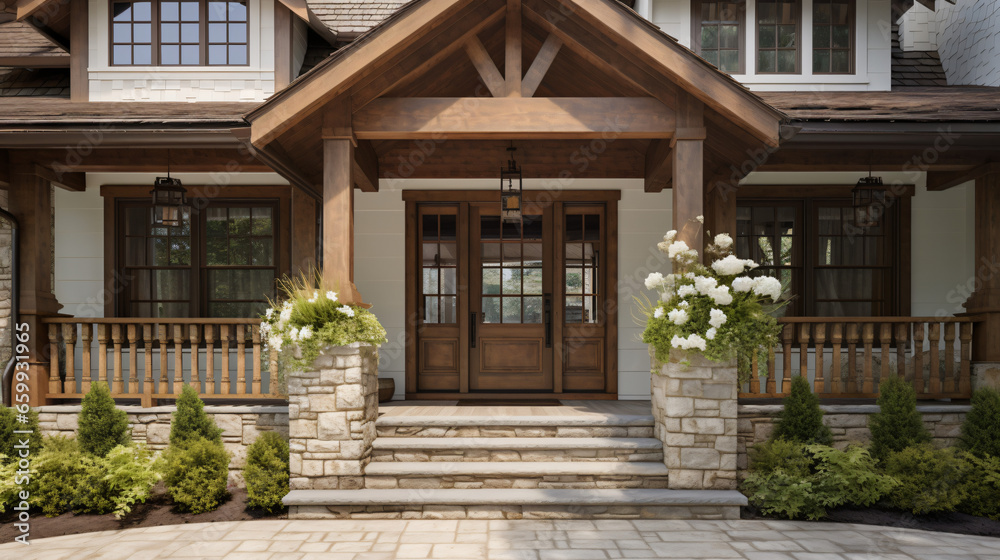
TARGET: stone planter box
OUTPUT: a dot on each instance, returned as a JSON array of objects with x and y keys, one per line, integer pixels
[{"x": 694, "y": 408}]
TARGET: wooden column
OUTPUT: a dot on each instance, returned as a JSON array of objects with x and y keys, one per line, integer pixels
[
  {"x": 30, "y": 201},
  {"x": 720, "y": 209},
  {"x": 338, "y": 217},
  {"x": 79, "y": 79},
  {"x": 985, "y": 300},
  {"x": 688, "y": 185}
]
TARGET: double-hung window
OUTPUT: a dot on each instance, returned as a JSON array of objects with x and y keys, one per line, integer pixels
[
  {"x": 833, "y": 36},
  {"x": 778, "y": 30},
  {"x": 180, "y": 33},
  {"x": 718, "y": 33}
]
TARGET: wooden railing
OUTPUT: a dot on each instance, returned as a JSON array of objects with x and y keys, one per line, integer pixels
[
  {"x": 150, "y": 359},
  {"x": 848, "y": 357}
]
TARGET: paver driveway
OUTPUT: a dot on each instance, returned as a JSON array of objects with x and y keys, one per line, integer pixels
[{"x": 521, "y": 540}]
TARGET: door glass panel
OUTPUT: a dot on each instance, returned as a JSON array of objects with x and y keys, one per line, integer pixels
[
  {"x": 430, "y": 280},
  {"x": 532, "y": 281},
  {"x": 512, "y": 281},
  {"x": 532, "y": 310},
  {"x": 491, "y": 310},
  {"x": 582, "y": 252},
  {"x": 431, "y": 309},
  {"x": 491, "y": 280},
  {"x": 439, "y": 262},
  {"x": 511, "y": 310},
  {"x": 449, "y": 311},
  {"x": 511, "y": 267}
]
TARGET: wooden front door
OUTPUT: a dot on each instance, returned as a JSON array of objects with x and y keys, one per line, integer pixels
[{"x": 526, "y": 308}]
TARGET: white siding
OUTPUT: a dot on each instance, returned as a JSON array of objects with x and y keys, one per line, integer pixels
[{"x": 968, "y": 37}]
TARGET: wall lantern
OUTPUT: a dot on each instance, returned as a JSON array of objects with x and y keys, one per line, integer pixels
[
  {"x": 169, "y": 200},
  {"x": 510, "y": 190},
  {"x": 869, "y": 201}
]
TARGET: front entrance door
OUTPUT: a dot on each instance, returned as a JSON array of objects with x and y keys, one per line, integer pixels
[{"x": 525, "y": 308}]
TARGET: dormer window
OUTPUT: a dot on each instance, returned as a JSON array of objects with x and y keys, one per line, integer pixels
[{"x": 180, "y": 33}]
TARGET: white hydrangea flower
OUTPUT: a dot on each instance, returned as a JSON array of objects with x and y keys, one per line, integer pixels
[
  {"x": 717, "y": 318},
  {"x": 683, "y": 304},
  {"x": 347, "y": 310},
  {"x": 690, "y": 275},
  {"x": 676, "y": 248},
  {"x": 315, "y": 296},
  {"x": 729, "y": 266},
  {"x": 701, "y": 219},
  {"x": 743, "y": 284},
  {"x": 693, "y": 341},
  {"x": 265, "y": 328},
  {"x": 305, "y": 333},
  {"x": 767, "y": 286},
  {"x": 670, "y": 235},
  {"x": 678, "y": 316},
  {"x": 705, "y": 284},
  {"x": 677, "y": 342},
  {"x": 331, "y": 295},
  {"x": 269, "y": 313},
  {"x": 723, "y": 241},
  {"x": 285, "y": 315},
  {"x": 687, "y": 290},
  {"x": 293, "y": 334},
  {"x": 658, "y": 313},
  {"x": 721, "y": 295},
  {"x": 689, "y": 256},
  {"x": 275, "y": 342},
  {"x": 710, "y": 333},
  {"x": 751, "y": 264},
  {"x": 663, "y": 246},
  {"x": 654, "y": 280},
  {"x": 286, "y": 305}
]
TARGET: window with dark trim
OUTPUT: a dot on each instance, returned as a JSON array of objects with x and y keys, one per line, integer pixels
[
  {"x": 220, "y": 262},
  {"x": 829, "y": 266},
  {"x": 833, "y": 36},
  {"x": 718, "y": 31},
  {"x": 180, "y": 33},
  {"x": 778, "y": 30}
]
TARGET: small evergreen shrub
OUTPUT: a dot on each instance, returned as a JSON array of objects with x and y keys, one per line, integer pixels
[
  {"x": 981, "y": 429},
  {"x": 190, "y": 421},
  {"x": 931, "y": 480},
  {"x": 774, "y": 454},
  {"x": 8, "y": 439},
  {"x": 102, "y": 425},
  {"x": 9, "y": 488},
  {"x": 123, "y": 478},
  {"x": 58, "y": 472},
  {"x": 897, "y": 425},
  {"x": 196, "y": 472},
  {"x": 266, "y": 473},
  {"x": 801, "y": 419},
  {"x": 834, "y": 478},
  {"x": 982, "y": 488}
]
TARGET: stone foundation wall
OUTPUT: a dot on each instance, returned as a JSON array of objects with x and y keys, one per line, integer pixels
[
  {"x": 240, "y": 427},
  {"x": 849, "y": 424}
]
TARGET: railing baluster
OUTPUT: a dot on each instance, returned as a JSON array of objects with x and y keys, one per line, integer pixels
[
  {"x": 836, "y": 340},
  {"x": 885, "y": 343},
  {"x": 86, "y": 371},
  {"x": 255, "y": 371},
  {"x": 935, "y": 362},
  {"x": 272, "y": 380},
  {"x": 102, "y": 353},
  {"x": 787, "y": 336},
  {"x": 117, "y": 380},
  {"x": 804, "y": 350},
  {"x": 178, "y": 360},
  {"x": 241, "y": 360},
  {"x": 195, "y": 343},
  {"x": 210, "y": 359},
  {"x": 868, "y": 337},
  {"x": 950, "y": 379},
  {"x": 918, "y": 359},
  {"x": 69, "y": 341},
  {"x": 965, "y": 380},
  {"x": 164, "y": 359},
  {"x": 147, "y": 374},
  {"x": 224, "y": 346},
  {"x": 901, "y": 331},
  {"x": 820, "y": 382},
  {"x": 133, "y": 359},
  {"x": 853, "y": 382},
  {"x": 754, "y": 375},
  {"x": 55, "y": 385}
]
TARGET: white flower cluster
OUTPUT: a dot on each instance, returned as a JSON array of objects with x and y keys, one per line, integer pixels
[
  {"x": 767, "y": 286},
  {"x": 275, "y": 330},
  {"x": 723, "y": 241},
  {"x": 678, "y": 316},
  {"x": 693, "y": 341}
]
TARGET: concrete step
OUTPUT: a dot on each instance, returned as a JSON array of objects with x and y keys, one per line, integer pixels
[
  {"x": 589, "y": 425},
  {"x": 470, "y": 475},
  {"x": 515, "y": 504},
  {"x": 515, "y": 449}
]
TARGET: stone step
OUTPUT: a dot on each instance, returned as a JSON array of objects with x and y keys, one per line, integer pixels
[
  {"x": 588, "y": 425},
  {"x": 515, "y": 449},
  {"x": 450, "y": 474},
  {"x": 515, "y": 504}
]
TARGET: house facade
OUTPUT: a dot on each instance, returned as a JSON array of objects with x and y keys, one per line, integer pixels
[{"x": 367, "y": 140}]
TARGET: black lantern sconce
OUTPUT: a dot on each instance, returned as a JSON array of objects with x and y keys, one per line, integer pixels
[
  {"x": 169, "y": 200},
  {"x": 510, "y": 190},
  {"x": 868, "y": 201}
]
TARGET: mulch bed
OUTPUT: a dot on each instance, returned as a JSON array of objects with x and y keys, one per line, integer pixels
[
  {"x": 156, "y": 511},
  {"x": 954, "y": 522}
]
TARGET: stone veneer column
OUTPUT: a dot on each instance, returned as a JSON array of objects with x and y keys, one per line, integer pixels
[
  {"x": 331, "y": 418},
  {"x": 694, "y": 408}
]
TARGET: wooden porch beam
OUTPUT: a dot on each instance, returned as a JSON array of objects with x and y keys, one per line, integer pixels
[
  {"x": 365, "y": 167},
  {"x": 659, "y": 166},
  {"x": 35, "y": 61},
  {"x": 944, "y": 180},
  {"x": 75, "y": 181},
  {"x": 515, "y": 118},
  {"x": 540, "y": 66},
  {"x": 25, "y": 8},
  {"x": 512, "y": 49},
  {"x": 147, "y": 160},
  {"x": 488, "y": 72}
]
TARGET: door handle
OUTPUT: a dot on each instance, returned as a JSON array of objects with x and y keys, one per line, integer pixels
[
  {"x": 547, "y": 310},
  {"x": 473, "y": 319}
]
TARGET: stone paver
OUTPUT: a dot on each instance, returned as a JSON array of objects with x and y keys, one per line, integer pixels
[{"x": 515, "y": 539}]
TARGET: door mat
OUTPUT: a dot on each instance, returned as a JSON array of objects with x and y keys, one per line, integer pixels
[{"x": 507, "y": 402}]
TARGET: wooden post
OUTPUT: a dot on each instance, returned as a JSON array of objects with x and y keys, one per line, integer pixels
[
  {"x": 30, "y": 200},
  {"x": 512, "y": 52},
  {"x": 338, "y": 218},
  {"x": 79, "y": 51},
  {"x": 688, "y": 186},
  {"x": 985, "y": 300}
]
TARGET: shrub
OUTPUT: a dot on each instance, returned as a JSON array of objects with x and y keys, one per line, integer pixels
[
  {"x": 190, "y": 421},
  {"x": 121, "y": 479},
  {"x": 8, "y": 439},
  {"x": 102, "y": 425},
  {"x": 780, "y": 454},
  {"x": 801, "y": 420},
  {"x": 897, "y": 425},
  {"x": 981, "y": 429},
  {"x": 266, "y": 473},
  {"x": 9, "y": 488},
  {"x": 931, "y": 480},
  {"x": 196, "y": 472},
  {"x": 982, "y": 487},
  {"x": 834, "y": 478},
  {"x": 58, "y": 472}
]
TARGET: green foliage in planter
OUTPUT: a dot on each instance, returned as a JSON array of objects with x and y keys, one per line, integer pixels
[
  {"x": 982, "y": 487},
  {"x": 831, "y": 478},
  {"x": 190, "y": 422},
  {"x": 981, "y": 429},
  {"x": 931, "y": 480},
  {"x": 801, "y": 419},
  {"x": 266, "y": 473},
  {"x": 8, "y": 439},
  {"x": 196, "y": 472},
  {"x": 897, "y": 425},
  {"x": 120, "y": 480},
  {"x": 102, "y": 426},
  {"x": 57, "y": 474}
]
